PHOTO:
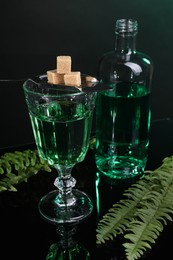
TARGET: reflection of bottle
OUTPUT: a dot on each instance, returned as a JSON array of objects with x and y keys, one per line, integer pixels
[{"x": 123, "y": 112}]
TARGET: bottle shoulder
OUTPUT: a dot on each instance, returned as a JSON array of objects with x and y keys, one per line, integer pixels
[
  {"x": 144, "y": 58},
  {"x": 120, "y": 57},
  {"x": 130, "y": 66}
]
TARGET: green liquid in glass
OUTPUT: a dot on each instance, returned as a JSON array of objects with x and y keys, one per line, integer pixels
[
  {"x": 62, "y": 131},
  {"x": 123, "y": 122}
]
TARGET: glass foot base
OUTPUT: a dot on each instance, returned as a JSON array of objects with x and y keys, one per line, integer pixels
[{"x": 54, "y": 213}]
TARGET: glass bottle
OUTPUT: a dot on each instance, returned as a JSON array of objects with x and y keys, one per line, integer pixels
[{"x": 123, "y": 112}]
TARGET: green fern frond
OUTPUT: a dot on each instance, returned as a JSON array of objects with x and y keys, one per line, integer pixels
[
  {"x": 19, "y": 166},
  {"x": 142, "y": 216},
  {"x": 142, "y": 233},
  {"x": 122, "y": 213}
]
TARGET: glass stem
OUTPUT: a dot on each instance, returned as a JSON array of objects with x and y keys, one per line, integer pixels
[
  {"x": 65, "y": 183},
  {"x": 66, "y": 233}
]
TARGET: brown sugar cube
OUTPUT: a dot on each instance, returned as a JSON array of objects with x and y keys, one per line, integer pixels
[
  {"x": 63, "y": 64},
  {"x": 55, "y": 78},
  {"x": 73, "y": 78},
  {"x": 50, "y": 74}
]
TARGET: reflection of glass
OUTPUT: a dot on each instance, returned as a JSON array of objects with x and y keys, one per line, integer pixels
[
  {"x": 61, "y": 119},
  {"x": 67, "y": 248}
]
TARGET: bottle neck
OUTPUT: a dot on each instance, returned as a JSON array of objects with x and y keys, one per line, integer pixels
[{"x": 125, "y": 43}]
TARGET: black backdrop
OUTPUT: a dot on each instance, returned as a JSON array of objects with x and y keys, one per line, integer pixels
[{"x": 34, "y": 32}]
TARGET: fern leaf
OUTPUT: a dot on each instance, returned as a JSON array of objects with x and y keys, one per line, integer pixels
[
  {"x": 118, "y": 218},
  {"x": 152, "y": 214},
  {"x": 19, "y": 166},
  {"x": 142, "y": 216},
  {"x": 142, "y": 233}
]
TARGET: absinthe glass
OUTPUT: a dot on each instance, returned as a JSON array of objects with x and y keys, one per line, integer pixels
[
  {"x": 61, "y": 119},
  {"x": 61, "y": 131}
]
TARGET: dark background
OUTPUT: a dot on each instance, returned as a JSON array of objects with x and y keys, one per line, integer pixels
[{"x": 34, "y": 32}]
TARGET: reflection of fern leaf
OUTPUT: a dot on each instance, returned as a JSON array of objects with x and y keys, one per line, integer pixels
[
  {"x": 143, "y": 224},
  {"x": 19, "y": 166}
]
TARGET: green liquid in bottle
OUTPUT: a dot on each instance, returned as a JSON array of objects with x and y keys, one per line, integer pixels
[{"x": 123, "y": 122}]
